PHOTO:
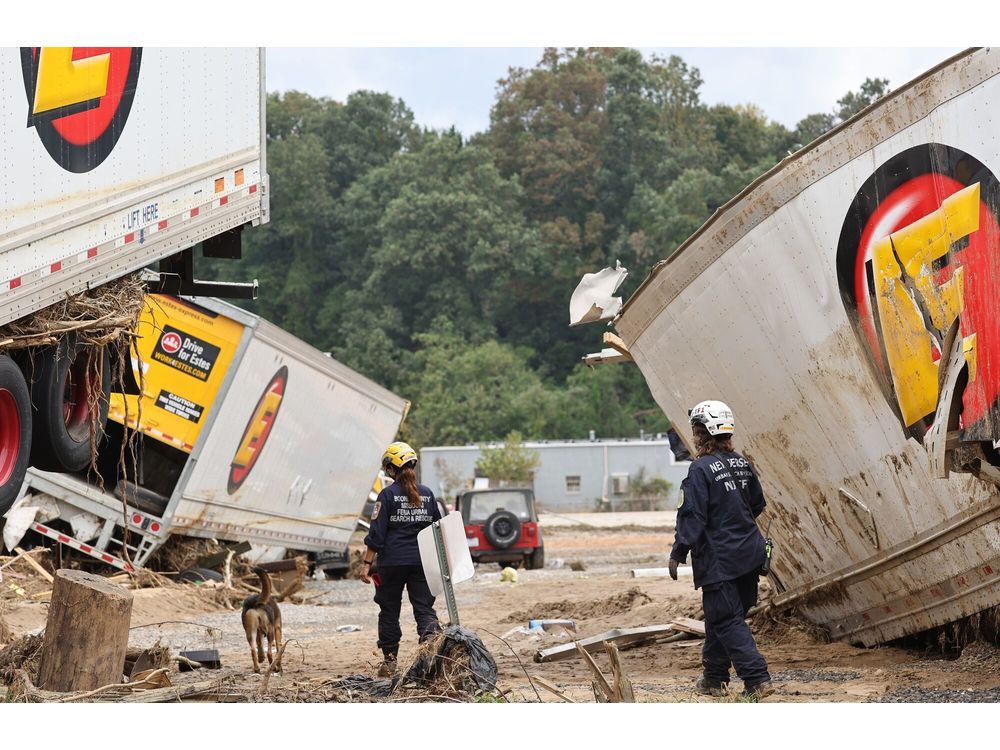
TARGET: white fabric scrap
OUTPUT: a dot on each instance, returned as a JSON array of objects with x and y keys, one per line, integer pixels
[{"x": 593, "y": 299}]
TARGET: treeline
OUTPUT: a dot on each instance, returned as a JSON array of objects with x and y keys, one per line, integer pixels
[{"x": 441, "y": 266}]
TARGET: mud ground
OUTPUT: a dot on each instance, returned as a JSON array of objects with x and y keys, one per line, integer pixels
[{"x": 324, "y": 641}]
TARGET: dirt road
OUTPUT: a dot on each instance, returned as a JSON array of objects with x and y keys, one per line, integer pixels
[{"x": 601, "y": 596}]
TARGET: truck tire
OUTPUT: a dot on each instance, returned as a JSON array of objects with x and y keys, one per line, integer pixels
[
  {"x": 65, "y": 397},
  {"x": 502, "y": 529},
  {"x": 536, "y": 560},
  {"x": 199, "y": 575},
  {"x": 15, "y": 431}
]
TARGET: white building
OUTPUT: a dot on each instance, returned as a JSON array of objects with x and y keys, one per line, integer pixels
[{"x": 573, "y": 475}]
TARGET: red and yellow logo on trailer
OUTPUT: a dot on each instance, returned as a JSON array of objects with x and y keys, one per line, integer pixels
[
  {"x": 79, "y": 99},
  {"x": 917, "y": 263},
  {"x": 258, "y": 429}
]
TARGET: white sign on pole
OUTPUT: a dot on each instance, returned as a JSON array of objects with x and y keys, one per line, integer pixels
[{"x": 456, "y": 550}]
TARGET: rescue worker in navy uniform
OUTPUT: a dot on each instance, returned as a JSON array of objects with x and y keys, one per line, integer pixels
[
  {"x": 719, "y": 500},
  {"x": 401, "y": 510}
]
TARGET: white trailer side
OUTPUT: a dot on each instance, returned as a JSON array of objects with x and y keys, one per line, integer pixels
[
  {"x": 884, "y": 525},
  {"x": 188, "y": 164}
]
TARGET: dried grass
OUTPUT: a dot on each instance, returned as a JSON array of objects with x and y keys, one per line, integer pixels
[
  {"x": 5, "y": 634},
  {"x": 180, "y": 553},
  {"x": 23, "y": 653},
  {"x": 98, "y": 316}
]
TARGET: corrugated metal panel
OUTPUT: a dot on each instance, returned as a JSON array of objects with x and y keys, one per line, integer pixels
[{"x": 754, "y": 312}]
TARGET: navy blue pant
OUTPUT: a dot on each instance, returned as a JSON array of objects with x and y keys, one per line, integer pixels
[
  {"x": 389, "y": 597},
  {"x": 728, "y": 640}
]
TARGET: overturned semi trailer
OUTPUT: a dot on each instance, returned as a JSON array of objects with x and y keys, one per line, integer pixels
[{"x": 847, "y": 306}]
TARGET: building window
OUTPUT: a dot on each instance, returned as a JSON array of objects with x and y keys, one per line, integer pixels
[
  {"x": 619, "y": 484},
  {"x": 573, "y": 485}
]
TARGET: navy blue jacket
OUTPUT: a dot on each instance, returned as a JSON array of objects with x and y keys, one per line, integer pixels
[
  {"x": 395, "y": 524},
  {"x": 715, "y": 519}
]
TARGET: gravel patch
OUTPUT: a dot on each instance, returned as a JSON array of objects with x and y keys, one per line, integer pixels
[
  {"x": 928, "y": 695},
  {"x": 815, "y": 675}
]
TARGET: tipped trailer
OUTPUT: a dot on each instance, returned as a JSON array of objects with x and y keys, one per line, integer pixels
[
  {"x": 247, "y": 434},
  {"x": 845, "y": 305}
]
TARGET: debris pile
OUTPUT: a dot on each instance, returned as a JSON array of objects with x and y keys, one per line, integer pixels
[
  {"x": 454, "y": 666},
  {"x": 774, "y": 625},
  {"x": 21, "y": 654},
  {"x": 26, "y": 576},
  {"x": 98, "y": 317}
]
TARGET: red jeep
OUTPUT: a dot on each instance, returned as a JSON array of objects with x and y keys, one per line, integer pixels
[{"x": 501, "y": 526}]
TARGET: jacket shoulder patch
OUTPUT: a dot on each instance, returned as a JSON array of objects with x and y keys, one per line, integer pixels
[{"x": 376, "y": 509}]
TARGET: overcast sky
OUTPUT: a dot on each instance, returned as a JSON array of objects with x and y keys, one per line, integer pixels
[{"x": 456, "y": 86}]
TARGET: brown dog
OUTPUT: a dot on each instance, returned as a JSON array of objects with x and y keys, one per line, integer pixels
[{"x": 261, "y": 618}]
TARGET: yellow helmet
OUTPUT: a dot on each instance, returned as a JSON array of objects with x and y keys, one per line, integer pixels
[{"x": 398, "y": 454}]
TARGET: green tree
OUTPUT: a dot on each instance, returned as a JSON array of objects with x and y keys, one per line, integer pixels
[
  {"x": 465, "y": 393},
  {"x": 853, "y": 102},
  {"x": 433, "y": 234},
  {"x": 612, "y": 400},
  {"x": 647, "y": 492},
  {"x": 813, "y": 126},
  {"x": 511, "y": 464}
]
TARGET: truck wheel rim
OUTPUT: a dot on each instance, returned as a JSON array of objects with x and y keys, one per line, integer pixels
[
  {"x": 77, "y": 392},
  {"x": 10, "y": 434}
]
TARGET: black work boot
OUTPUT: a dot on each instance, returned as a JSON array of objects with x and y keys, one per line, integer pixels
[
  {"x": 757, "y": 691},
  {"x": 388, "y": 666},
  {"x": 706, "y": 686}
]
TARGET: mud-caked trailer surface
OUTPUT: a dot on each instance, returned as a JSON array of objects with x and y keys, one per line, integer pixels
[{"x": 847, "y": 306}]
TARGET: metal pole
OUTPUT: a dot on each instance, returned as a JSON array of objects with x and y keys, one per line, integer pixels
[{"x": 449, "y": 591}]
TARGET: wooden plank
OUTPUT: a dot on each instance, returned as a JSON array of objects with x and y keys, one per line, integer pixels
[
  {"x": 688, "y": 625},
  {"x": 617, "y": 344},
  {"x": 552, "y": 688},
  {"x": 19, "y": 555},
  {"x": 600, "y": 681},
  {"x": 163, "y": 695},
  {"x": 33, "y": 563},
  {"x": 217, "y": 558},
  {"x": 658, "y": 640},
  {"x": 620, "y": 636}
]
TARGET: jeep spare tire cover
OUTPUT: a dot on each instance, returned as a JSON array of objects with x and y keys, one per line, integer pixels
[{"x": 503, "y": 529}]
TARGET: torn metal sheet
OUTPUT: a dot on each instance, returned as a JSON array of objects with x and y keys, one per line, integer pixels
[{"x": 593, "y": 299}]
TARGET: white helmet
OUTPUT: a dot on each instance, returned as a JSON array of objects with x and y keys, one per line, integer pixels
[{"x": 715, "y": 415}]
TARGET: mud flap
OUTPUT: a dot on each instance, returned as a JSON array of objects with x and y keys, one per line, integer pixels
[{"x": 941, "y": 437}]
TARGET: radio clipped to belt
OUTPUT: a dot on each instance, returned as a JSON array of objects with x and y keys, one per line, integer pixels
[{"x": 768, "y": 551}]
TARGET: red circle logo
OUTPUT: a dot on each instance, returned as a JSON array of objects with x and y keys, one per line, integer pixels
[
  {"x": 171, "y": 343},
  {"x": 79, "y": 99},
  {"x": 258, "y": 429},
  {"x": 918, "y": 251}
]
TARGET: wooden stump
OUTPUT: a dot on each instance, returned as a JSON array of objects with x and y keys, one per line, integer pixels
[{"x": 86, "y": 633}]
